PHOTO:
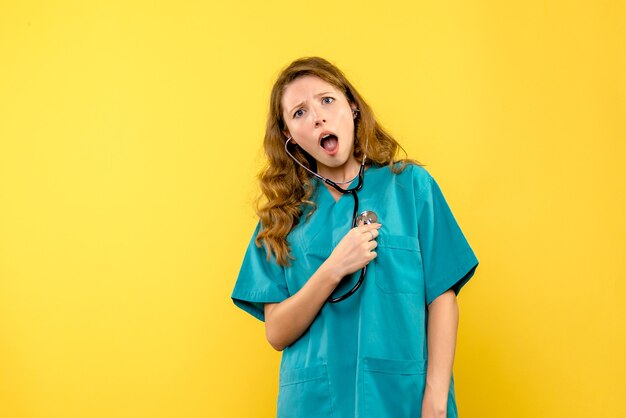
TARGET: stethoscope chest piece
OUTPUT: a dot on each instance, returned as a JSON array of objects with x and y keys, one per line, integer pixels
[
  {"x": 367, "y": 217},
  {"x": 364, "y": 218}
]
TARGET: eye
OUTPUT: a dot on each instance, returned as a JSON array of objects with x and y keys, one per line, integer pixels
[
  {"x": 298, "y": 113},
  {"x": 330, "y": 100}
]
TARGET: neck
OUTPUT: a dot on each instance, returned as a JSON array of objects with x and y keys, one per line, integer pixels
[{"x": 347, "y": 171}]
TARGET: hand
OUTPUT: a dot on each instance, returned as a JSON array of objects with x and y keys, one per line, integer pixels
[
  {"x": 354, "y": 251},
  {"x": 434, "y": 405}
]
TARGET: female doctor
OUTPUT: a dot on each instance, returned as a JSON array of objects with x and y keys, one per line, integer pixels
[{"x": 355, "y": 262}]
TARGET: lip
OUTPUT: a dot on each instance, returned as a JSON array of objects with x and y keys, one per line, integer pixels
[{"x": 319, "y": 139}]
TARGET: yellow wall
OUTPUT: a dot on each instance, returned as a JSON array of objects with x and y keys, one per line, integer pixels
[{"x": 130, "y": 136}]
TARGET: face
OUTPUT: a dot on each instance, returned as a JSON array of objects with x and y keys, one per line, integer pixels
[{"x": 320, "y": 120}]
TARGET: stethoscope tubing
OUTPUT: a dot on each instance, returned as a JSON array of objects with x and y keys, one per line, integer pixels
[{"x": 351, "y": 191}]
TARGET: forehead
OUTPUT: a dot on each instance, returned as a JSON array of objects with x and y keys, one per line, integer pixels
[{"x": 303, "y": 88}]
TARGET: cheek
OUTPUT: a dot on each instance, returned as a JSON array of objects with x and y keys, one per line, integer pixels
[
  {"x": 293, "y": 128},
  {"x": 301, "y": 129},
  {"x": 348, "y": 124}
]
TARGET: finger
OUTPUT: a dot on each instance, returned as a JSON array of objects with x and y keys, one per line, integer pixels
[
  {"x": 369, "y": 227},
  {"x": 370, "y": 234},
  {"x": 373, "y": 244}
]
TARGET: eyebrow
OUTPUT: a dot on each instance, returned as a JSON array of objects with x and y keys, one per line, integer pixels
[{"x": 301, "y": 103}]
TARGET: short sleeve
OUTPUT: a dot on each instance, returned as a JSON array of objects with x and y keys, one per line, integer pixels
[
  {"x": 447, "y": 257},
  {"x": 260, "y": 281}
]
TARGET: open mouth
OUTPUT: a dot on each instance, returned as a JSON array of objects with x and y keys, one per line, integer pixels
[{"x": 329, "y": 142}]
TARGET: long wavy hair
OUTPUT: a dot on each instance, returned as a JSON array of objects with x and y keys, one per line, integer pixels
[{"x": 285, "y": 186}]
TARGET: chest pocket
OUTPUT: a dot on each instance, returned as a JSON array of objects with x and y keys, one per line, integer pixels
[{"x": 399, "y": 267}]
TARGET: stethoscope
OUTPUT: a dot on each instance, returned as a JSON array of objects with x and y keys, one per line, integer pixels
[{"x": 367, "y": 217}]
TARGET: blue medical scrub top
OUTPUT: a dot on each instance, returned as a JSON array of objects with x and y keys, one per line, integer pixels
[{"x": 367, "y": 355}]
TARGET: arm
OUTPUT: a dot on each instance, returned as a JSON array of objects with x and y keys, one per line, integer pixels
[
  {"x": 286, "y": 321},
  {"x": 443, "y": 314}
]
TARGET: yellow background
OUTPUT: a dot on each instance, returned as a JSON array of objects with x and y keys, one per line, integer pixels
[{"x": 130, "y": 135}]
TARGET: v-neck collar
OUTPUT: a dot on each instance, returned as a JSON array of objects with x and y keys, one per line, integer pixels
[{"x": 319, "y": 184}]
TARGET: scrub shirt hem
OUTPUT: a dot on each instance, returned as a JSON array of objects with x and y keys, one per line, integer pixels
[
  {"x": 252, "y": 302},
  {"x": 460, "y": 276}
]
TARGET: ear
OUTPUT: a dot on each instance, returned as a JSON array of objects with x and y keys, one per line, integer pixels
[
  {"x": 355, "y": 110},
  {"x": 287, "y": 135}
]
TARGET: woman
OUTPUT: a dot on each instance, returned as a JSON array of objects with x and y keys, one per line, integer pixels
[{"x": 378, "y": 344}]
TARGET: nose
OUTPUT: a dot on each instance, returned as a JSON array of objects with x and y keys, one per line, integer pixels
[{"x": 318, "y": 116}]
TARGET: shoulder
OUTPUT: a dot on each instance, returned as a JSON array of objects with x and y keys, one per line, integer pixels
[{"x": 410, "y": 174}]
